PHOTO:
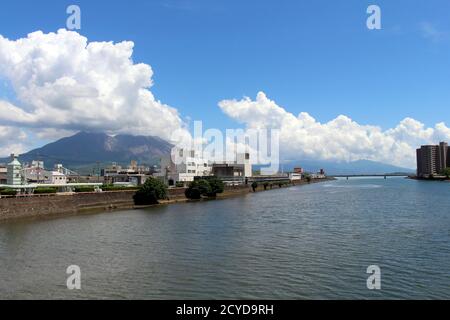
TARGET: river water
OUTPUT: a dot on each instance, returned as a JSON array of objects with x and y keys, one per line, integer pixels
[{"x": 305, "y": 242}]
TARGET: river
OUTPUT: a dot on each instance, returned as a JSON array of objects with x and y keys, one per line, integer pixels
[{"x": 306, "y": 242}]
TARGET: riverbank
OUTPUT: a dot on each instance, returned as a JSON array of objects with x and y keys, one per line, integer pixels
[
  {"x": 58, "y": 205},
  {"x": 437, "y": 178}
]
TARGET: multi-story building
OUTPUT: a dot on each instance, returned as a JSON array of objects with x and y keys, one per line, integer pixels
[
  {"x": 189, "y": 165},
  {"x": 239, "y": 167},
  {"x": 134, "y": 174},
  {"x": 432, "y": 159},
  {"x": 14, "y": 171},
  {"x": 182, "y": 167}
]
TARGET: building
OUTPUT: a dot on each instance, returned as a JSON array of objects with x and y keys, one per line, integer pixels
[
  {"x": 14, "y": 171},
  {"x": 3, "y": 174},
  {"x": 55, "y": 177},
  {"x": 134, "y": 174},
  {"x": 189, "y": 165},
  {"x": 234, "y": 172},
  {"x": 35, "y": 172},
  {"x": 432, "y": 159},
  {"x": 299, "y": 170},
  {"x": 295, "y": 176}
]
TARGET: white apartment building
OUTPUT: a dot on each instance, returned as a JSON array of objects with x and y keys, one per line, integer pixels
[
  {"x": 189, "y": 164},
  {"x": 192, "y": 166}
]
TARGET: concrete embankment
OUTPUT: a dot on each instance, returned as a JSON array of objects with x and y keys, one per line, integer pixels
[{"x": 62, "y": 205}]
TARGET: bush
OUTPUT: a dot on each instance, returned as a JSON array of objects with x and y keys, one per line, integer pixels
[
  {"x": 254, "y": 186},
  {"x": 84, "y": 189},
  {"x": 266, "y": 184},
  {"x": 151, "y": 192},
  {"x": 197, "y": 189},
  {"x": 193, "y": 193},
  {"x": 179, "y": 184},
  {"x": 203, "y": 186},
  {"x": 446, "y": 173},
  {"x": 217, "y": 186},
  {"x": 45, "y": 190},
  {"x": 8, "y": 192}
]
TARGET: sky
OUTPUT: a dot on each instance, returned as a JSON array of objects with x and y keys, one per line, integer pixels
[{"x": 337, "y": 90}]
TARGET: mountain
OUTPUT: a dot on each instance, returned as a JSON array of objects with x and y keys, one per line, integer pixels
[
  {"x": 342, "y": 168},
  {"x": 85, "y": 149}
]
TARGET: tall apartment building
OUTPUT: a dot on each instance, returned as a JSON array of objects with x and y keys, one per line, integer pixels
[{"x": 432, "y": 159}]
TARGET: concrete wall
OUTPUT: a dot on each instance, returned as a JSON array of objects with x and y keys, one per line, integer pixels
[
  {"x": 45, "y": 205},
  {"x": 59, "y": 205}
]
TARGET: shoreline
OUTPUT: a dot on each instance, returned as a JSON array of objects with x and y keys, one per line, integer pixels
[
  {"x": 56, "y": 206},
  {"x": 441, "y": 179}
]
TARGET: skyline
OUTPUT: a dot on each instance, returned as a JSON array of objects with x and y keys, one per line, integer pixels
[{"x": 374, "y": 104}]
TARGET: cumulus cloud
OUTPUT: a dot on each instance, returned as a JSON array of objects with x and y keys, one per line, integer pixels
[
  {"x": 342, "y": 139},
  {"x": 12, "y": 140},
  {"x": 63, "y": 83}
]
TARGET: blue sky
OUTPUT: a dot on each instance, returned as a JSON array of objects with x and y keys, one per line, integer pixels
[
  {"x": 309, "y": 56},
  {"x": 314, "y": 56}
]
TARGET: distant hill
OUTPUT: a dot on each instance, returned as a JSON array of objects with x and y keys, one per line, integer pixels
[
  {"x": 85, "y": 149},
  {"x": 342, "y": 168}
]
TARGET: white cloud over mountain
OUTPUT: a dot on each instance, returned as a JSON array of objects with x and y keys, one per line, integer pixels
[
  {"x": 64, "y": 83},
  {"x": 342, "y": 139}
]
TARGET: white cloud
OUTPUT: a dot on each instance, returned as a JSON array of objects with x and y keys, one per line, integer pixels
[
  {"x": 63, "y": 83},
  {"x": 12, "y": 140},
  {"x": 342, "y": 139}
]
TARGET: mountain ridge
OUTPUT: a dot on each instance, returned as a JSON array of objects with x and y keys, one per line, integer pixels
[{"x": 86, "y": 148}]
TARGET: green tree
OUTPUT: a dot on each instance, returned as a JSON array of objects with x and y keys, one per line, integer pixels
[
  {"x": 193, "y": 193},
  {"x": 151, "y": 192},
  {"x": 216, "y": 185},
  {"x": 197, "y": 189},
  {"x": 446, "y": 172}
]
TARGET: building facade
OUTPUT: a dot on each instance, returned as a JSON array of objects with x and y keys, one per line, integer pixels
[
  {"x": 14, "y": 171},
  {"x": 183, "y": 166},
  {"x": 432, "y": 159}
]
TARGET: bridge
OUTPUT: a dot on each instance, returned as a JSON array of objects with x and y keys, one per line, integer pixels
[{"x": 385, "y": 176}]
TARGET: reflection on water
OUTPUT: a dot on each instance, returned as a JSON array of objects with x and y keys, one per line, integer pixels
[{"x": 311, "y": 241}]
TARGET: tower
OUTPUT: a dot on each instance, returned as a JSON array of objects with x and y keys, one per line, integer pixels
[{"x": 14, "y": 168}]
